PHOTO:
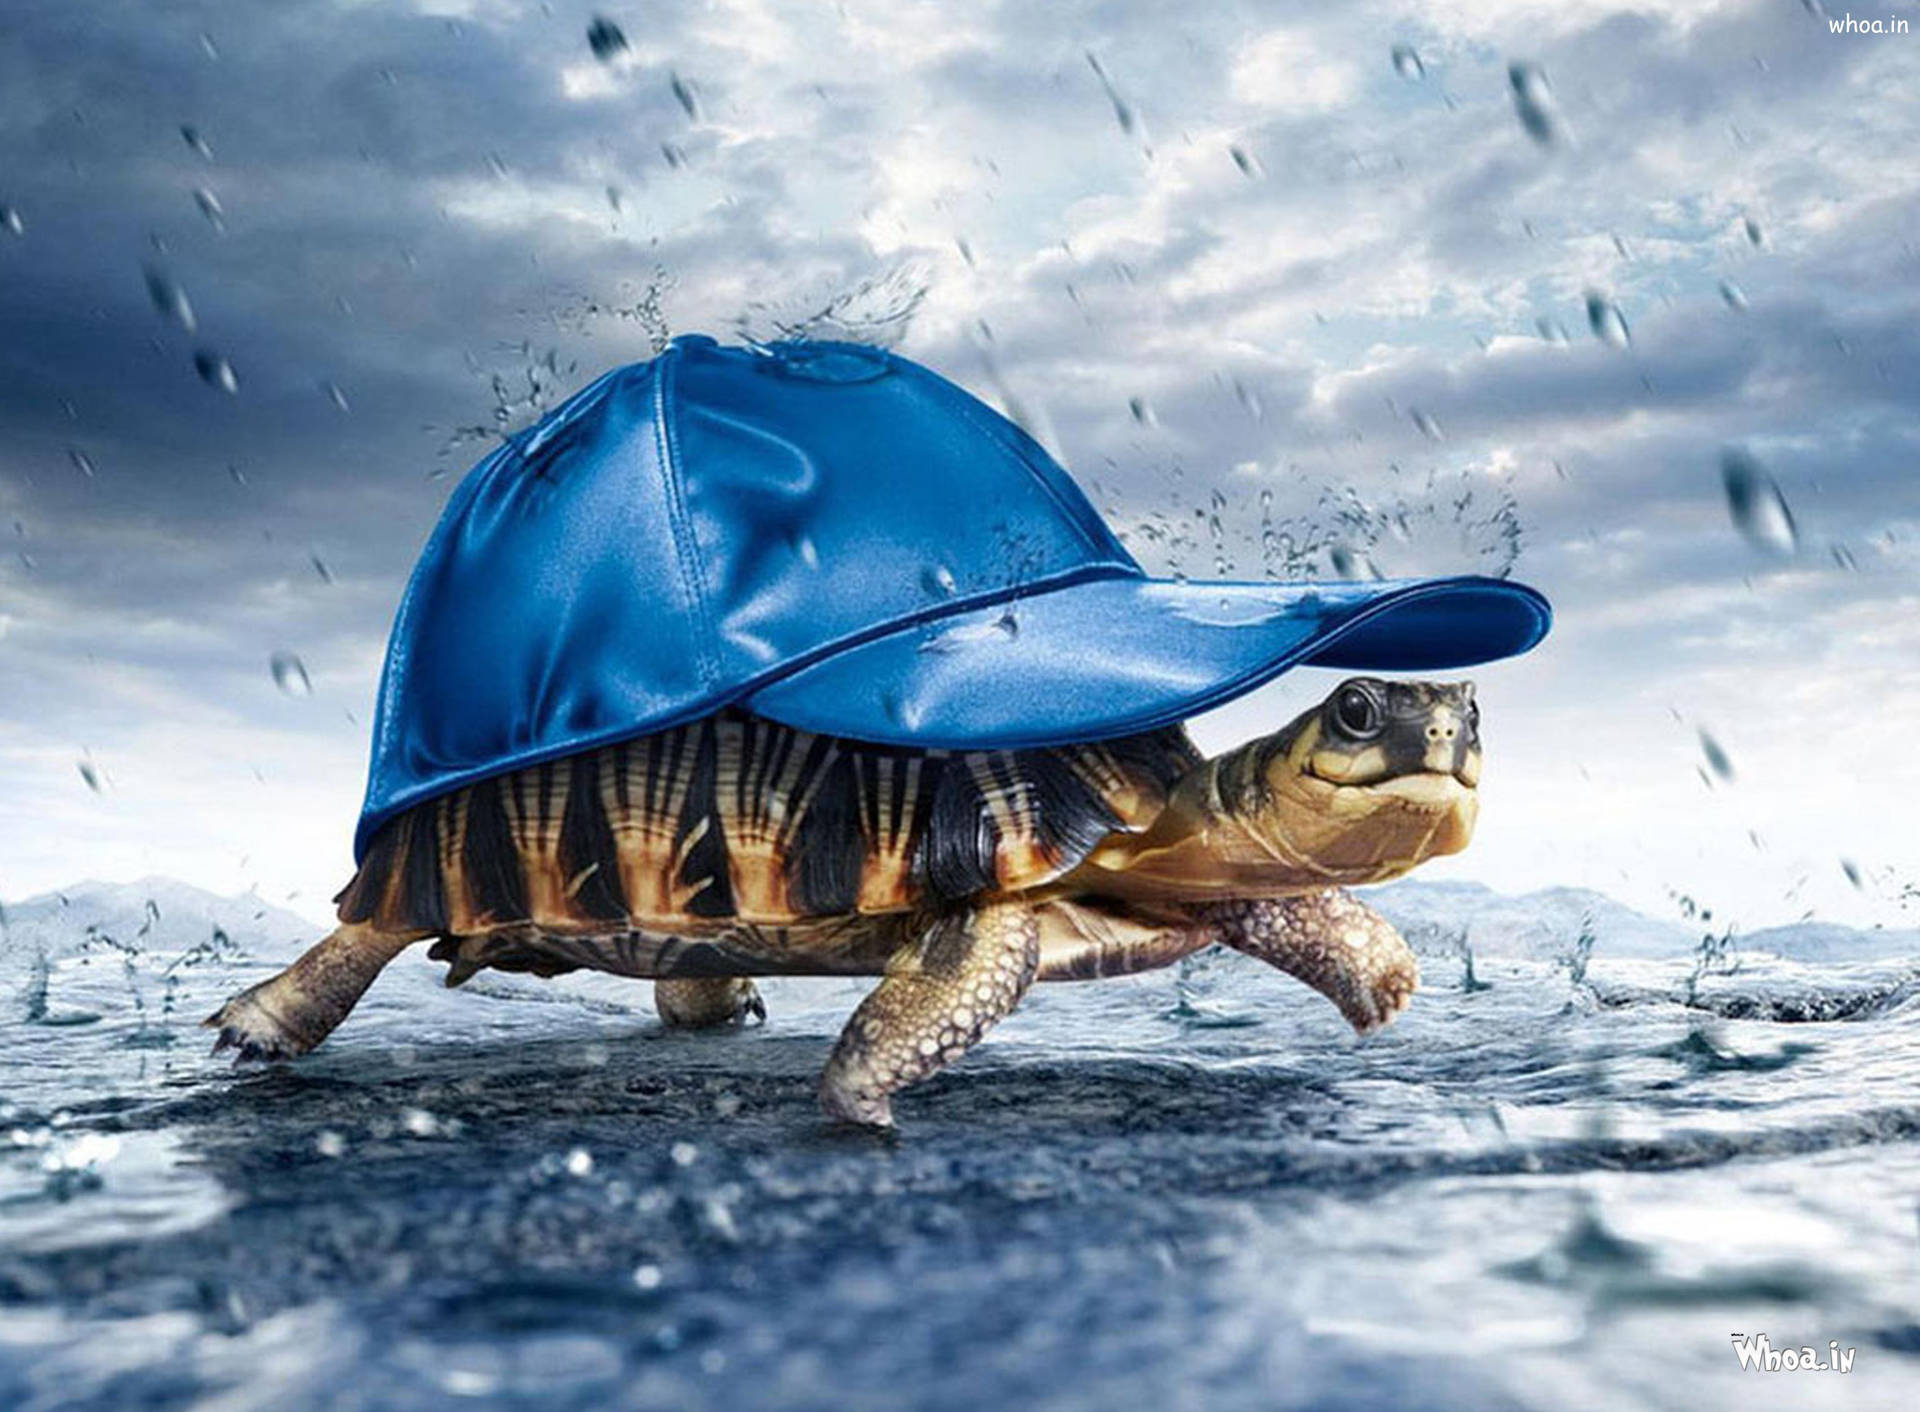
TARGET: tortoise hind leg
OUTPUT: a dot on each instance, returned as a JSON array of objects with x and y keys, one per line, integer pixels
[
  {"x": 939, "y": 996},
  {"x": 707, "y": 1002},
  {"x": 290, "y": 1013}
]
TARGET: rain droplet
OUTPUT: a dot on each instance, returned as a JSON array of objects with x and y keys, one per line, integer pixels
[
  {"x": 1552, "y": 330},
  {"x": 1242, "y": 161},
  {"x": 607, "y": 40},
  {"x": 1755, "y": 236},
  {"x": 497, "y": 165},
  {"x": 10, "y": 218},
  {"x": 1609, "y": 325},
  {"x": 676, "y": 156},
  {"x": 939, "y": 581},
  {"x": 1852, "y": 870},
  {"x": 1122, "y": 110},
  {"x": 613, "y": 199},
  {"x": 1351, "y": 563},
  {"x": 1758, "y": 508},
  {"x": 210, "y": 207},
  {"x": 419, "y": 1122},
  {"x": 169, "y": 299},
  {"x": 191, "y": 136},
  {"x": 329, "y": 1143},
  {"x": 579, "y": 1163},
  {"x": 647, "y": 1276},
  {"x": 966, "y": 251},
  {"x": 1533, "y": 103},
  {"x": 1142, "y": 413},
  {"x": 684, "y": 95},
  {"x": 1734, "y": 295},
  {"x": 1406, "y": 62},
  {"x": 336, "y": 396},
  {"x": 1843, "y": 558},
  {"x": 1426, "y": 425},
  {"x": 1249, "y": 399},
  {"x": 1717, "y": 759},
  {"x": 215, "y": 370},
  {"x": 684, "y": 1154},
  {"x": 89, "y": 774},
  {"x": 290, "y": 675},
  {"x": 80, "y": 461}
]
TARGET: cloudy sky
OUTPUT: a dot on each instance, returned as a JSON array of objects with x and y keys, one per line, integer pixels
[{"x": 1234, "y": 257}]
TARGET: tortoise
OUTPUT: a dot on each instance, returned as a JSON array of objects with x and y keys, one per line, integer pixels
[
  {"x": 735, "y": 847},
  {"x": 799, "y": 659}
]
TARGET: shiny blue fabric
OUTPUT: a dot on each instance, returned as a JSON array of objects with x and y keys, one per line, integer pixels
[{"x": 834, "y": 537}]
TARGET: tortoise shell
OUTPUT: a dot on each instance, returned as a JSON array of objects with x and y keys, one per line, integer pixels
[{"x": 735, "y": 816}]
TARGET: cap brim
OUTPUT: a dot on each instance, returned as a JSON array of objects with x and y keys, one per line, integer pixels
[{"x": 1114, "y": 656}]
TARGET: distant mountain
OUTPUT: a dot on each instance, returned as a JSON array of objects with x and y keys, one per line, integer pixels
[
  {"x": 1548, "y": 923},
  {"x": 153, "y": 914}
]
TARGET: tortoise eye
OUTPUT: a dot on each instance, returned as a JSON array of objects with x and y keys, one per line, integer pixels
[{"x": 1356, "y": 710}]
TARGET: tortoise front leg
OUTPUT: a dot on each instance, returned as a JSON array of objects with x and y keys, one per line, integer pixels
[
  {"x": 939, "y": 996},
  {"x": 287, "y": 1015},
  {"x": 1332, "y": 941},
  {"x": 707, "y": 1002}
]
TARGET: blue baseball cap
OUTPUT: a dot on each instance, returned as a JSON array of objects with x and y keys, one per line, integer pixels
[{"x": 835, "y": 537}]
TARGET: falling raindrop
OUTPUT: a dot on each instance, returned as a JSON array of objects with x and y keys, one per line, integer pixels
[
  {"x": 1552, "y": 330},
  {"x": 1242, "y": 161},
  {"x": 676, "y": 156},
  {"x": 89, "y": 774},
  {"x": 1122, "y": 110},
  {"x": 1533, "y": 103},
  {"x": 336, "y": 396},
  {"x": 938, "y": 580},
  {"x": 1406, "y": 62},
  {"x": 1249, "y": 399},
  {"x": 1734, "y": 296},
  {"x": 1758, "y": 508},
  {"x": 169, "y": 299},
  {"x": 1609, "y": 325},
  {"x": 1717, "y": 759},
  {"x": 497, "y": 165},
  {"x": 290, "y": 674},
  {"x": 613, "y": 199},
  {"x": 1350, "y": 563},
  {"x": 10, "y": 218},
  {"x": 80, "y": 461},
  {"x": 320, "y": 568},
  {"x": 684, "y": 95},
  {"x": 606, "y": 39},
  {"x": 215, "y": 371},
  {"x": 966, "y": 250},
  {"x": 210, "y": 207},
  {"x": 1843, "y": 558},
  {"x": 1852, "y": 870},
  {"x": 1755, "y": 236},
  {"x": 191, "y": 136},
  {"x": 1142, "y": 413},
  {"x": 1426, "y": 425}
]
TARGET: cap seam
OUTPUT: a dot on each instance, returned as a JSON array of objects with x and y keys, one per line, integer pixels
[{"x": 678, "y": 518}]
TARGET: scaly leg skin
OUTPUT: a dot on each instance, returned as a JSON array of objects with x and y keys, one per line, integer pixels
[
  {"x": 939, "y": 996},
  {"x": 289, "y": 1014},
  {"x": 1332, "y": 941},
  {"x": 707, "y": 1002}
]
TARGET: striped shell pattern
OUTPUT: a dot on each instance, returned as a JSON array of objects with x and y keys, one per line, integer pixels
[{"x": 733, "y": 816}]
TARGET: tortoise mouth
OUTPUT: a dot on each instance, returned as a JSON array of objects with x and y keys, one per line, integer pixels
[{"x": 1436, "y": 790}]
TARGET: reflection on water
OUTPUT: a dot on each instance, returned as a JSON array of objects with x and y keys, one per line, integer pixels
[{"x": 1565, "y": 1188}]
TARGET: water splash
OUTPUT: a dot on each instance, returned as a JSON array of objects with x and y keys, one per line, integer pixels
[{"x": 877, "y": 311}]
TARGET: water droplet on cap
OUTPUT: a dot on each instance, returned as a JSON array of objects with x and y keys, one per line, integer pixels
[
  {"x": 215, "y": 371},
  {"x": 169, "y": 299}
]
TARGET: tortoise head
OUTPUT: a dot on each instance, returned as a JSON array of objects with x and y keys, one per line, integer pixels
[{"x": 1376, "y": 779}]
